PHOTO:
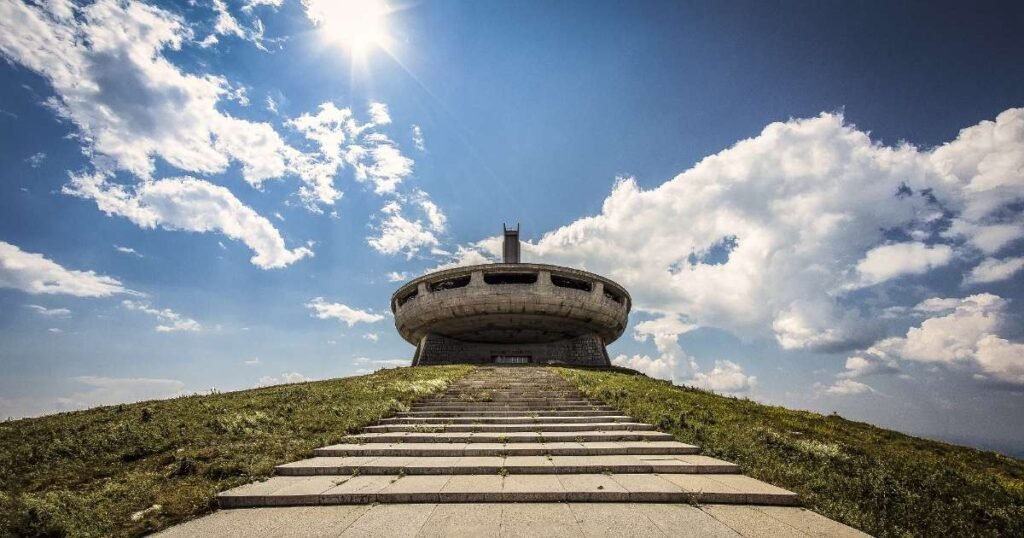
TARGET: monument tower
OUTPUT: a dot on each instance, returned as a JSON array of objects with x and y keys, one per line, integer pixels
[{"x": 511, "y": 312}]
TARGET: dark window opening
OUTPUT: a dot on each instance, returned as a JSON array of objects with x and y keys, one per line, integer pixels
[
  {"x": 450, "y": 284},
  {"x": 407, "y": 297},
  {"x": 564, "y": 282},
  {"x": 613, "y": 296},
  {"x": 510, "y": 278}
]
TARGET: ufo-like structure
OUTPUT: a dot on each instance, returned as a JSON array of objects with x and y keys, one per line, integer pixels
[{"x": 510, "y": 313}]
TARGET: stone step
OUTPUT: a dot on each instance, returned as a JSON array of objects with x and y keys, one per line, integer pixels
[
  {"x": 488, "y": 413},
  {"x": 518, "y": 400},
  {"x": 489, "y": 465},
  {"x": 521, "y": 419},
  {"x": 511, "y": 437},
  {"x": 614, "y": 448},
  {"x": 614, "y": 487},
  {"x": 508, "y": 428},
  {"x": 514, "y": 407}
]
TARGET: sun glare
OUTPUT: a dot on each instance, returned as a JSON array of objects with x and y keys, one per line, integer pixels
[{"x": 357, "y": 25}]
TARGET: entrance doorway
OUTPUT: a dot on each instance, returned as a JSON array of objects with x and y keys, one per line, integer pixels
[{"x": 512, "y": 359}]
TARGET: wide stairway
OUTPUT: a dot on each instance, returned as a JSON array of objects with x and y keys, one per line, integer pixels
[{"x": 521, "y": 435}]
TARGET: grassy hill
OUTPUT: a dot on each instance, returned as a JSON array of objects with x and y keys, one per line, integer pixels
[
  {"x": 880, "y": 481},
  {"x": 101, "y": 472}
]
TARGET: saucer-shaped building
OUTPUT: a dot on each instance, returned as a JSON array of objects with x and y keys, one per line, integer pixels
[{"x": 511, "y": 312}]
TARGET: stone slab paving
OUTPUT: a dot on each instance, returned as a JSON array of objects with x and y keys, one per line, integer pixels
[
  {"x": 519, "y": 519},
  {"x": 510, "y": 451}
]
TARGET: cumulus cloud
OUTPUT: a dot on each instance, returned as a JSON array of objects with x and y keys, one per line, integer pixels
[
  {"x": 34, "y": 273},
  {"x": 890, "y": 261},
  {"x": 671, "y": 359},
  {"x": 726, "y": 376},
  {"x": 191, "y": 205},
  {"x": 869, "y": 363},
  {"x": 346, "y": 314},
  {"x": 800, "y": 212},
  {"x": 658, "y": 367},
  {"x": 395, "y": 276},
  {"x": 962, "y": 334},
  {"x": 398, "y": 234},
  {"x": 169, "y": 320},
  {"x": 994, "y": 270},
  {"x": 343, "y": 140},
  {"x": 436, "y": 218},
  {"x": 106, "y": 64}
]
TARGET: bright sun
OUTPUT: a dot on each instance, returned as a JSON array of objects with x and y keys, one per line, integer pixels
[{"x": 358, "y": 25}]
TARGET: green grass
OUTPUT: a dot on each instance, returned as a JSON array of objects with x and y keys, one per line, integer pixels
[
  {"x": 880, "y": 481},
  {"x": 86, "y": 473}
]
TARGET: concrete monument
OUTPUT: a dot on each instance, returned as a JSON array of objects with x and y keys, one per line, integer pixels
[{"x": 511, "y": 312}]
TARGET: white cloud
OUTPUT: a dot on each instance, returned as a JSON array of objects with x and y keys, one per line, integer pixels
[
  {"x": 271, "y": 105},
  {"x": 105, "y": 62},
  {"x": 342, "y": 141},
  {"x": 192, "y": 205},
  {"x": 964, "y": 338},
  {"x": 36, "y": 159},
  {"x": 373, "y": 337},
  {"x": 55, "y": 330},
  {"x": 398, "y": 234},
  {"x": 797, "y": 209},
  {"x": 251, "y": 362},
  {"x": 435, "y": 217},
  {"x": 128, "y": 250},
  {"x": 993, "y": 270},
  {"x": 417, "y": 138},
  {"x": 395, "y": 276},
  {"x": 284, "y": 379},
  {"x": 33, "y": 273},
  {"x": 379, "y": 114},
  {"x": 665, "y": 332},
  {"x": 657, "y": 367},
  {"x": 49, "y": 312},
  {"x": 726, "y": 376},
  {"x": 227, "y": 25},
  {"x": 869, "y": 363},
  {"x": 350, "y": 316},
  {"x": 890, "y": 261},
  {"x": 169, "y": 320},
  {"x": 847, "y": 387}
]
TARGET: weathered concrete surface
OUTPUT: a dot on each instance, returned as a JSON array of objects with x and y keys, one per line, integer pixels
[
  {"x": 519, "y": 519},
  {"x": 533, "y": 312}
]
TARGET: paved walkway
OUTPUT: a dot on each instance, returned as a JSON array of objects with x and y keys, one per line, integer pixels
[{"x": 510, "y": 451}]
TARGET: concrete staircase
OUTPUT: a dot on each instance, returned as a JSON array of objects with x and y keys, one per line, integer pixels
[{"x": 508, "y": 434}]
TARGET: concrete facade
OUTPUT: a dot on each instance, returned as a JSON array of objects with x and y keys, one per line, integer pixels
[{"x": 511, "y": 312}]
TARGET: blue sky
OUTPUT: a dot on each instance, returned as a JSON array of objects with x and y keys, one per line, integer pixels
[{"x": 817, "y": 206}]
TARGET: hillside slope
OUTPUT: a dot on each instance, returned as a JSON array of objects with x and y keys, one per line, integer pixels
[
  {"x": 100, "y": 472},
  {"x": 880, "y": 481}
]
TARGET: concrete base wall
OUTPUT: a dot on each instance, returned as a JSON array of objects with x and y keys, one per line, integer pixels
[{"x": 587, "y": 350}]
